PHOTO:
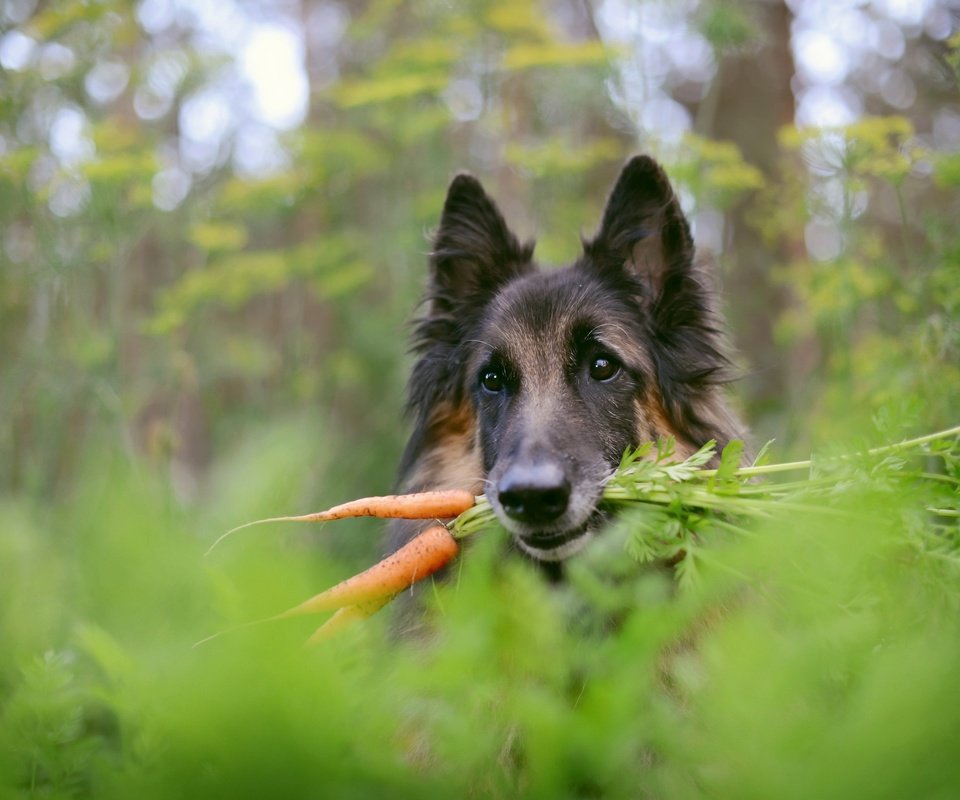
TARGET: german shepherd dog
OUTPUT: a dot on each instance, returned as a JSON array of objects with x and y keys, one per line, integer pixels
[{"x": 530, "y": 385}]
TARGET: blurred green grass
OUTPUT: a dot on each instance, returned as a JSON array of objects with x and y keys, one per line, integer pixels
[{"x": 816, "y": 657}]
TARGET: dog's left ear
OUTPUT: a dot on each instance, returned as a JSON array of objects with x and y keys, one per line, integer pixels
[
  {"x": 644, "y": 231},
  {"x": 644, "y": 242}
]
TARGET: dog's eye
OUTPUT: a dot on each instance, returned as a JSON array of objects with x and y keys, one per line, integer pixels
[
  {"x": 604, "y": 368},
  {"x": 492, "y": 380}
]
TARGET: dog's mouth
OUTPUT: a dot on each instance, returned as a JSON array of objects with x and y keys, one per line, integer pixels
[
  {"x": 546, "y": 531},
  {"x": 558, "y": 545}
]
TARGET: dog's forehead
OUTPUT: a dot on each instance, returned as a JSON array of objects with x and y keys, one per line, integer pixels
[
  {"x": 540, "y": 313},
  {"x": 534, "y": 311}
]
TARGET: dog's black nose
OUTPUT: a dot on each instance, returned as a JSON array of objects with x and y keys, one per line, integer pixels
[{"x": 536, "y": 494}]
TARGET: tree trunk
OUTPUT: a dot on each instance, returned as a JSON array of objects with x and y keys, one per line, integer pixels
[{"x": 753, "y": 101}]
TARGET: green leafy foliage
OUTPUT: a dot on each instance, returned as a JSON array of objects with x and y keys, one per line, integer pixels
[
  {"x": 715, "y": 172},
  {"x": 791, "y": 655},
  {"x": 727, "y": 25},
  {"x": 670, "y": 504},
  {"x": 878, "y": 303}
]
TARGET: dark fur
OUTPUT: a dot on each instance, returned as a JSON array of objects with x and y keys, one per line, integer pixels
[{"x": 635, "y": 297}]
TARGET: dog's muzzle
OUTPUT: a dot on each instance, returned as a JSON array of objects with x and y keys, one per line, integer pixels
[{"x": 535, "y": 502}]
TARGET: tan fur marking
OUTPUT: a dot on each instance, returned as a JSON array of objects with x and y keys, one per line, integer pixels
[
  {"x": 451, "y": 459},
  {"x": 648, "y": 257},
  {"x": 653, "y": 423}
]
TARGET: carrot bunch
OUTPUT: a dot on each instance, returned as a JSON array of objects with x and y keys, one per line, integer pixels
[
  {"x": 364, "y": 594},
  {"x": 680, "y": 497}
]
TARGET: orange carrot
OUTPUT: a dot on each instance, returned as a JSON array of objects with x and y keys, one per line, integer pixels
[
  {"x": 420, "y": 505},
  {"x": 345, "y": 617},
  {"x": 444, "y": 504},
  {"x": 368, "y": 591},
  {"x": 417, "y": 559}
]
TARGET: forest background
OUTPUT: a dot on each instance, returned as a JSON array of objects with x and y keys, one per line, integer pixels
[{"x": 213, "y": 225}]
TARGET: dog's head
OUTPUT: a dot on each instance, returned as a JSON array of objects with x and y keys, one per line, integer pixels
[{"x": 544, "y": 379}]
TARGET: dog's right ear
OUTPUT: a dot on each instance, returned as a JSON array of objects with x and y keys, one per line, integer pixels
[{"x": 474, "y": 252}]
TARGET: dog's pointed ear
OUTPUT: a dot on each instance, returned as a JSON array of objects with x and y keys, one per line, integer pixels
[
  {"x": 644, "y": 231},
  {"x": 644, "y": 245},
  {"x": 474, "y": 252}
]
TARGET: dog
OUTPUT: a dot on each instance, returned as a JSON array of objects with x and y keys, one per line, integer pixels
[{"x": 530, "y": 384}]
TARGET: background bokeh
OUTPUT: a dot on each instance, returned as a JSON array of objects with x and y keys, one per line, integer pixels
[
  {"x": 215, "y": 214},
  {"x": 214, "y": 217}
]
